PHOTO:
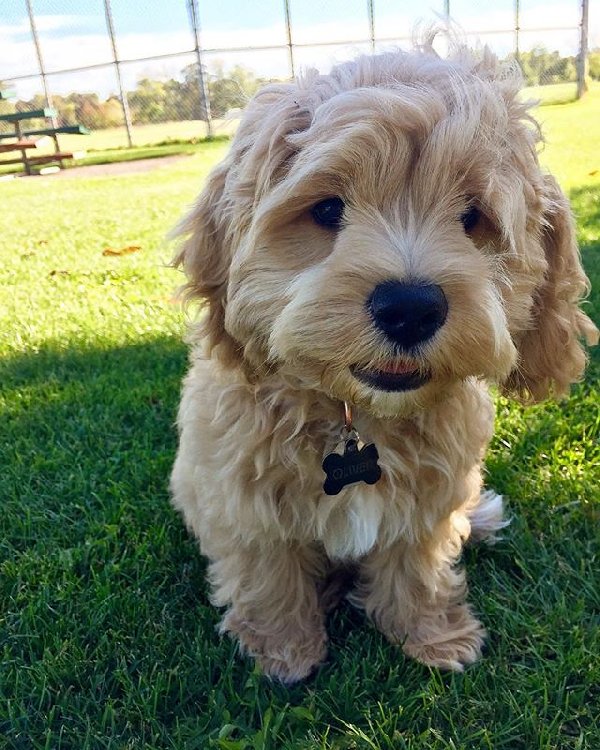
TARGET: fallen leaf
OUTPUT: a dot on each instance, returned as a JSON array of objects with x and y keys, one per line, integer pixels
[
  {"x": 58, "y": 272},
  {"x": 127, "y": 250}
]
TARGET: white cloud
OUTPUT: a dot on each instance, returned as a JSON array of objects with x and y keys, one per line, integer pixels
[{"x": 57, "y": 21}]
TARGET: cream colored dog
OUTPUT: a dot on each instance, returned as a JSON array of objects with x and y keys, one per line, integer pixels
[{"x": 381, "y": 237}]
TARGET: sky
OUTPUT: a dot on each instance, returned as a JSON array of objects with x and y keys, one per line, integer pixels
[{"x": 73, "y": 33}]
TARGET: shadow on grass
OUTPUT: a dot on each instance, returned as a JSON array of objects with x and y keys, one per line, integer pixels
[
  {"x": 88, "y": 442},
  {"x": 585, "y": 201},
  {"x": 108, "y": 631},
  {"x": 90, "y": 414}
]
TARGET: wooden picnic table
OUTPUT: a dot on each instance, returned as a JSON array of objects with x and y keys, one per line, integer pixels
[{"x": 27, "y": 140}]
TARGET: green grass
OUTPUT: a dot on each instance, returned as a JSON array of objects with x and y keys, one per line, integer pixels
[
  {"x": 553, "y": 93},
  {"x": 107, "y": 638},
  {"x": 145, "y": 135},
  {"x": 572, "y": 134},
  {"x": 112, "y": 156},
  {"x": 171, "y": 146}
]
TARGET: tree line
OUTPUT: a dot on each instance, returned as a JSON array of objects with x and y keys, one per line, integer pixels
[
  {"x": 179, "y": 98},
  {"x": 151, "y": 100}
]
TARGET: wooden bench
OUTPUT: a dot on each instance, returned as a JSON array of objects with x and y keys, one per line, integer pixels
[
  {"x": 28, "y": 140},
  {"x": 22, "y": 144}
]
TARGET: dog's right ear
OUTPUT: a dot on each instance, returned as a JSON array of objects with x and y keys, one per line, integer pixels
[{"x": 224, "y": 209}]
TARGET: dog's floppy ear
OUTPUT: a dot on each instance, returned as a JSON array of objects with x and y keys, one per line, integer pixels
[
  {"x": 551, "y": 356},
  {"x": 224, "y": 209},
  {"x": 205, "y": 253}
]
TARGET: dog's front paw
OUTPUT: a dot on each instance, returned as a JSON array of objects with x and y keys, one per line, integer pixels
[
  {"x": 292, "y": 664},
  {"x": 450, "y": 641},
  {"x": 289, "y": 656}
]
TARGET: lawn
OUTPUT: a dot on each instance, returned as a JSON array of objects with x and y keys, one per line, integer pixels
[
  {"x": 553, "y": 93},
  {"x": 150, "y": 140},
  {"x": 106, "y": 635}
]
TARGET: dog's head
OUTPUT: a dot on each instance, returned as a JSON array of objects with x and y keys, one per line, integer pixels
[{"x": 385, "y": 230}]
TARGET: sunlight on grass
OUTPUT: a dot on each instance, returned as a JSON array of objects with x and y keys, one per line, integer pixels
[
  {"x": 572, "y": 135},
  {"x": 556, "y": 93}
]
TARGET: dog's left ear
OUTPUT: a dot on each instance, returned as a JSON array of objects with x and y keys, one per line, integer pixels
[{"x": 551, "y": 355}]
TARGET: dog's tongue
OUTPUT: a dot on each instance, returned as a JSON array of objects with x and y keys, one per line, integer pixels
[{"x": 397, "y": 367}]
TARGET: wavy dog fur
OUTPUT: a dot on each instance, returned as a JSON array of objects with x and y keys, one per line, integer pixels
[{"x": 409, "y": 142}]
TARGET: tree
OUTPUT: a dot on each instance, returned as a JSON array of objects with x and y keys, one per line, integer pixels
[
  {"x": 112, "y": 112},
  {"x": 540, "y": 66},
  {"x": 6, "y": 108},
  {"x": 147, "y": 101},
  {"x": 226, "y": 91},
  {"x": 231, "y": 91},
  {"x": 594, "y": 64},
  {"x": 154, "y": 100}
]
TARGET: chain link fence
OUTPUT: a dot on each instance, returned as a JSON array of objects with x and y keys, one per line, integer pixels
[{"x": 142, "y": 72}]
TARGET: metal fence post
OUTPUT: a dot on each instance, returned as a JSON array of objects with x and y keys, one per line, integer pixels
[
  {"x": 288, "y": 28},
  {"x": 371, "y": 12},
  {"x": 202, "y": 85},
  {"x": 582, "y": 58},
  {"x": 40, "y": 59},
  {"x": 123, "y": 95},
  {"x": 517, "y": 31}
]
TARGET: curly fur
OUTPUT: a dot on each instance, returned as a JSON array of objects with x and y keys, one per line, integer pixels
[{"x": 408, "y": 140}]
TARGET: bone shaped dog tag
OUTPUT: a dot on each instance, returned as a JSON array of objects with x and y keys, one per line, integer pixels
[{"x": 356, "y": 463}]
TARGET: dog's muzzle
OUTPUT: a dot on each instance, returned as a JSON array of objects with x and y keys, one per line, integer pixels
[{"x": 408, "y": 314}]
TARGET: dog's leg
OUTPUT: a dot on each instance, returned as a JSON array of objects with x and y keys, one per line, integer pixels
[
  {"x": 274, "y": 607},
  {"x": 415, "y": 595}
]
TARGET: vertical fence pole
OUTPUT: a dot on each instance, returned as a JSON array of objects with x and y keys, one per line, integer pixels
[
  {"x": 288, "y": 28},
  {"x": 371, "y": 12},
  {"x": 40, "y": 59},
  {"x": 202, "y": 84},
  {"x": 517, "y": 31},
  {"x": 122, "y": 93},
  {"x": 447, "y": 19},
  {"x": 582, "y": 58}
]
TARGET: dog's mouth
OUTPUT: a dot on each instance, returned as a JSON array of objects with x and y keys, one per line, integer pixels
[{"x": 394, "y": 375}]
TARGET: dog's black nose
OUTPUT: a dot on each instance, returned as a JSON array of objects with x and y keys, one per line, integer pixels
[{"x": 408, "y": 313}]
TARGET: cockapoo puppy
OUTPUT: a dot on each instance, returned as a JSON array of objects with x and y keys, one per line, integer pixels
[{"x": 378, "y": 246}]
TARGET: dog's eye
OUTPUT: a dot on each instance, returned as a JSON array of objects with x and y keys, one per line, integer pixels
[
  {"x": 328, "y": 213},
  {"x": 470, "y": 219}
]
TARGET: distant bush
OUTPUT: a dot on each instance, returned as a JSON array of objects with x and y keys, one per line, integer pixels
[
  {"x": 541, "y": 67},
  {"x": 594, "y": 64},
  {"x": 153, "y": 101}
]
